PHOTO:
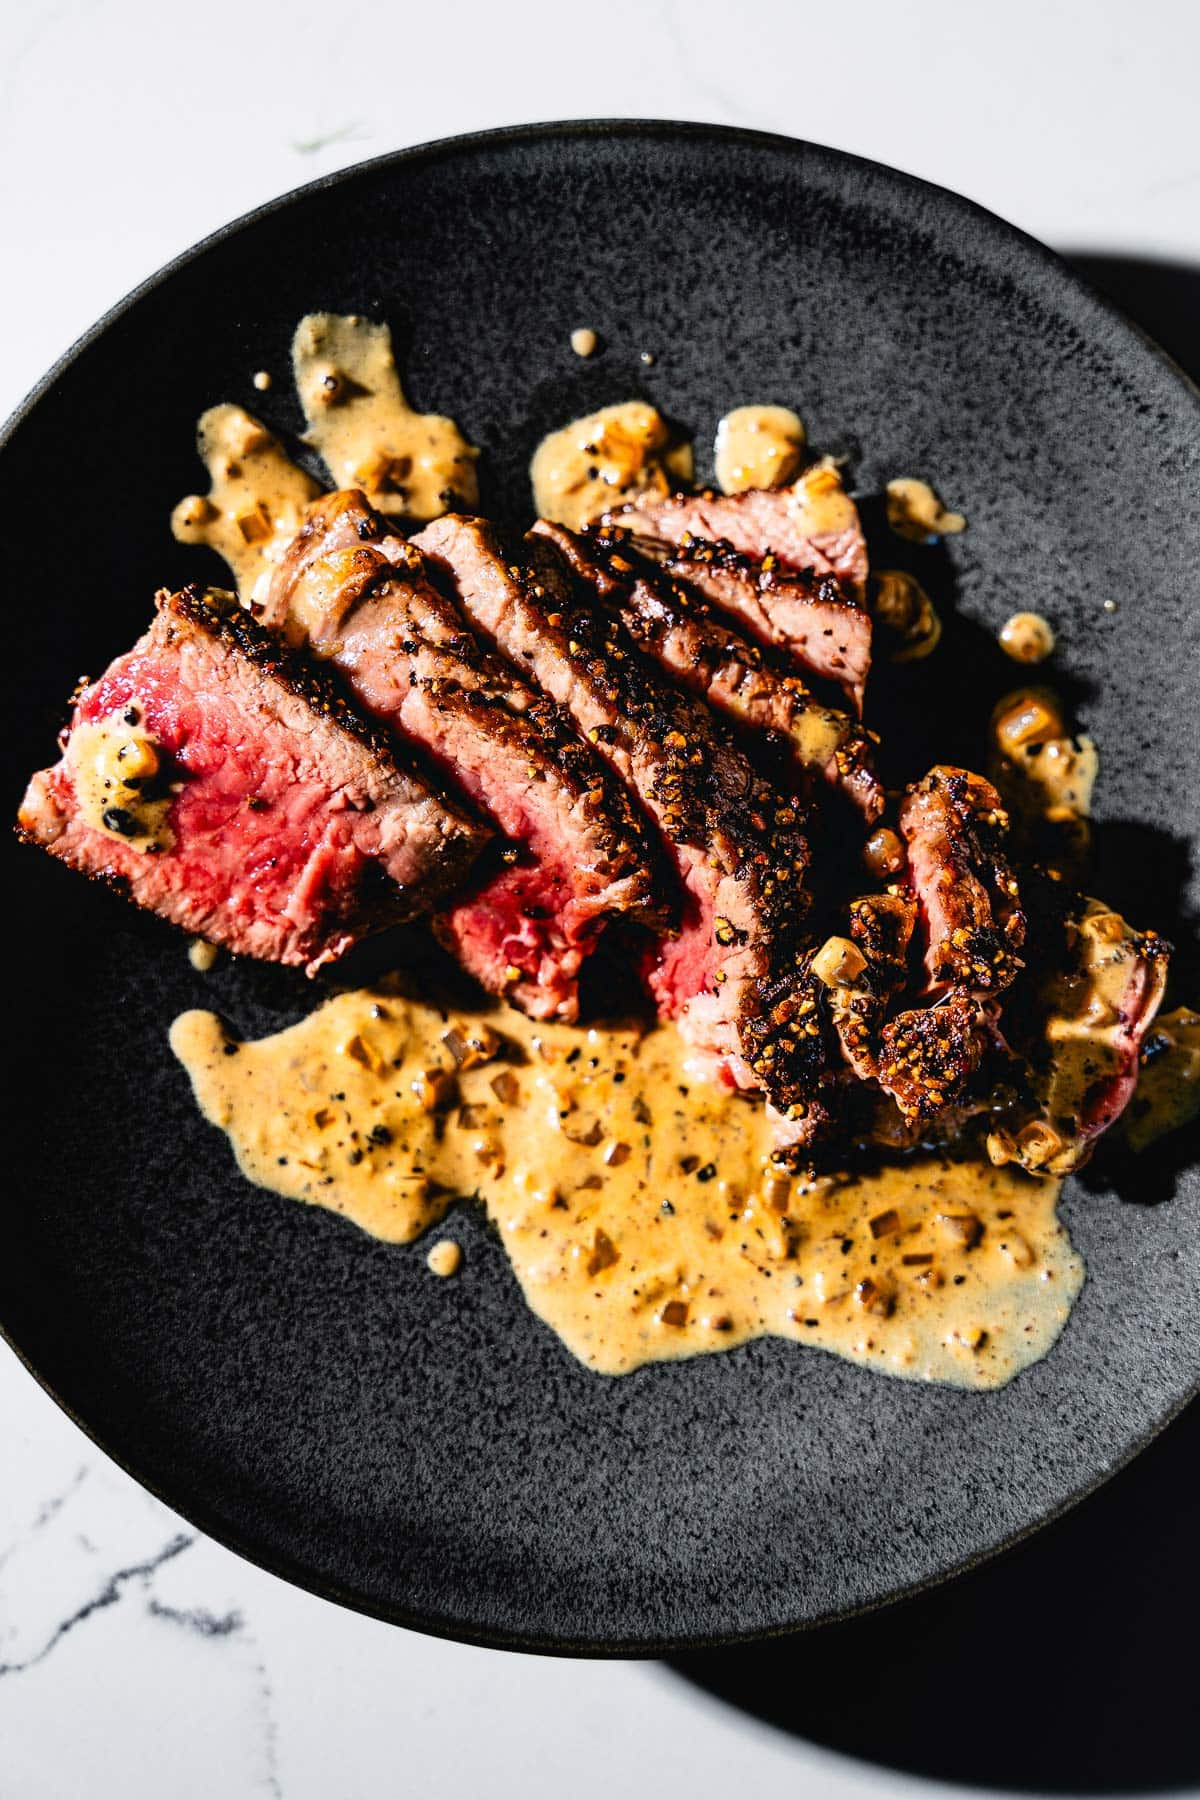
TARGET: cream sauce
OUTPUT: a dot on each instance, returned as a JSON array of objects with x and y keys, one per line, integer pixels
[
  {"x": 1168, "y": 1089},
  {"x": 1027, "y": 638},
  {"x": 1084, "y": 1042},
  {"x": 641, "y": 1210},
  {"x": 116, "y": 772},
  {"x": 256, "y": 501},
  {"x": 757, "y": 447},
  {"x": 409, "y": 464},
  {"x": 912, "y": 627},
  {"x": 1045, "y": 775},
  {"x": 915, "y": 512},
  {"x": 596, "y": 462}
]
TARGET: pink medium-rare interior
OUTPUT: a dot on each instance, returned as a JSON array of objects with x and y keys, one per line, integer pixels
[{"x": 263, "y": 856}]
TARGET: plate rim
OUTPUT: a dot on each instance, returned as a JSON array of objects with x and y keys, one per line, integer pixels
[{"x": 1070, "y": 285}]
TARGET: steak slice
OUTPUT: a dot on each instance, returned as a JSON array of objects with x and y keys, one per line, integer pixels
[
  {"x": 226, "y": 787},
  {"x": 954, "y": 826},
  {"x": 928, "y": 1054},
  {"x": 751, "y": 685},
  {"x": 579, "y": 852},
  {"x": 735, "y": 976},
  {"x": 806, "y": 616},
  {"x": 813, "y": 525}
]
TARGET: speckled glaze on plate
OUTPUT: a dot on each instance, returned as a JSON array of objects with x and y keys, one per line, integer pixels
[{"x": 425, "y": 1450}]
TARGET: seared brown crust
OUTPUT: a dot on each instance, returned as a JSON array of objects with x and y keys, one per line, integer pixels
[
  {"x": 809, "y": 616},
  {"x": 707, "y": 798},
  {"x": 365, "y": 599},
  {"x": 740, "y": 848},
  {"x": 882, "y": 926},
  {"x": 928, "y": 1055},
  {"x": 752, "y": 685},
  {"x": 954, "y": 826},
  {"x": 218, "y": 615}
]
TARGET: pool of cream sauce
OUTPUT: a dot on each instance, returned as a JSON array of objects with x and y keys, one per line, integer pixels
[{"x": 641, "y": 1210}]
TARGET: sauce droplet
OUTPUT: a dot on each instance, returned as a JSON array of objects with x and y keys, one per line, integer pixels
[
  {"x": 445, "y": 1257},
  {"x": 1027, "y": 638},
  {"x": 915, "y": 512},
  {"x": 757, "y": 447},
  {"x": 584, "y": 341}
]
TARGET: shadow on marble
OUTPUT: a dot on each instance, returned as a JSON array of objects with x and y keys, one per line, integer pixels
[{"x": 1068, "y": 1665}]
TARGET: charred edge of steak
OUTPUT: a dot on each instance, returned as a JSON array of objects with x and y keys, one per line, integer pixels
[
  {"x": 784, "y": 1040},
  {"x": 492, "y": 695},
  {"x": 882, "y": 926},
  {"x": 655, "y": 604},
  {"x": 315, "y": 685},
  {"x": 927, "y": 1055},
  {"x": 767, "y": 573},
  {"x": 600, "y": 651},
  {"x": 709, "y": 797},
  {"x": 985, "y": 930}
]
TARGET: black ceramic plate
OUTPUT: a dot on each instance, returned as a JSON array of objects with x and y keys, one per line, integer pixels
[{"x": 426, "y": 1450}]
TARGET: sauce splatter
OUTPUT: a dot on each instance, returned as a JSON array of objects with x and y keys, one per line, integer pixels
[
  {"x": 409, "y": 464},
  {"x": 444, "y": 1258},
  {"x": 757, "y": 447},
  {"x": 915, "y": 512},
  {"x": 596, "y": 462},
  {"x": 256, "y": 501}
]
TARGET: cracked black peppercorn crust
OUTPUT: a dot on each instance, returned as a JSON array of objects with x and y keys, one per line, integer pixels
[
  {"x": 954, "y": 825},
  {"x": 754, "y": 686},
  {"x": 736, "y": 975},
  {"x": 578, "y": 851}
]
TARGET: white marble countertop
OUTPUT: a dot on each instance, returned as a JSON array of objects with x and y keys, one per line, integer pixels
[{"x": 136, "y": 1657}]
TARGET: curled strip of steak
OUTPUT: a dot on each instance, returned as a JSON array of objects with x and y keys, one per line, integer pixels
[
  {"x": 954, "y": 827},
  {"x": 1091, "y": 1016},
  {"x": 923, "y": 1057},
  {"x": 290, "y": 829},
  {"x": 579, "y": 852},
  {"x": 751, "y": 685},
  {"x": 735, "y": 974}
]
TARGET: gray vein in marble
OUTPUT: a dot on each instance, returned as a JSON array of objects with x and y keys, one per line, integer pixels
[
  {"x": 198, "y": 1618},
  {"x": 108, "y": 1595},
  {"x": 342, "y": 134},
  {"x": 48, "y": 1510}
]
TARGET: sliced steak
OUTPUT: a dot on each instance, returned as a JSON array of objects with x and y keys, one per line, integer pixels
[
  {"x": 751, "y": 685},
  {"x": 806, "y": 616},
  {"x": 579, "y": 851},
  {"x": 735, "y": 975},
  {"x": 954, "y": 826},
  {"x": 928, "y": 1054},
  {"x": 811, "y": 526},
  {"x": 223, "y": 785}
]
